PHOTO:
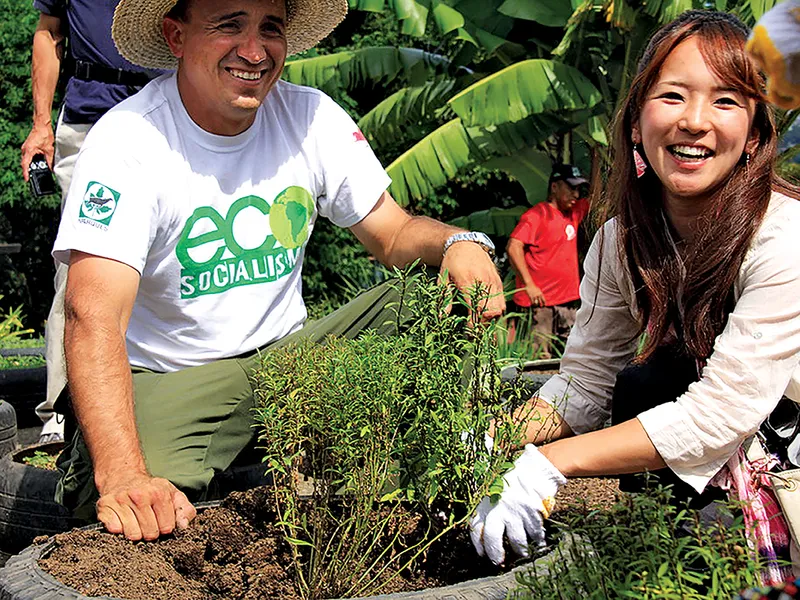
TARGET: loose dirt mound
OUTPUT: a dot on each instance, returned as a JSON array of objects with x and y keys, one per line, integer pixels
[{"x": 235, "y": 552}]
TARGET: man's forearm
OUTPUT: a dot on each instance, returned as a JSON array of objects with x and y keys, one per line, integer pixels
[
  {"x": 45, "y": 67},
  {"x": 419, "y": 238},
  {"x": 101, "y": 388}
]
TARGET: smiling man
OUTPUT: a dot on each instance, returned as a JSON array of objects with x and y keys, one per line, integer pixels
[{"x": 185, "y": 229}]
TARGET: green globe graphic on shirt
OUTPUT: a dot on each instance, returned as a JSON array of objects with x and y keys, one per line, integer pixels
[{"x": 289, "y": 216}]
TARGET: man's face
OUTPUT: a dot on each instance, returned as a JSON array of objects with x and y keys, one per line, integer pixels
[
  {"x": 564, "y": 195},
  {"x": 231, "y": 54}
]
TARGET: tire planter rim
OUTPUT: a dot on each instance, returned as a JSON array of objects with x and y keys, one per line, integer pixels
[
  {"x": 35, "y": 351},
  {"x": 23, "y": 579}
]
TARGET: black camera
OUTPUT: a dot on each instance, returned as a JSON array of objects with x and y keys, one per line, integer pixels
[{"x": 41, "y": 177}]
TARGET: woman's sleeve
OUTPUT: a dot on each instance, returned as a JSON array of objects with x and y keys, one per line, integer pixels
[
  {"x": 751, "y": 365},
  {"x": 602, "y": 341}
]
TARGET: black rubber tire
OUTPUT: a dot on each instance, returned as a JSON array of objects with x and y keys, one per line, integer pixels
[
  {"x": 8, "y": 429},
  {"x": 23, "y": 579},
  {"x": 27, "y": 507},
  {"x": 24, "y": 389},
  {"x": 38, "y": 351}
]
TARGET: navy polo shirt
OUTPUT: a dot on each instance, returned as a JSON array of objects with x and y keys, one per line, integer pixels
[{"x": 88, "y": 30}]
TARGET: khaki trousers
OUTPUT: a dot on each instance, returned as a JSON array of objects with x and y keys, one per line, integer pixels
[
  {"x": 193, "y": 423},
  {"x": 69, "y": 139}
]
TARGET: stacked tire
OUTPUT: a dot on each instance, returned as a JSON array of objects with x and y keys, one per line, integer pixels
[
  {"x": 24, "y": 388},
  {"x": 27, "y": 505}
]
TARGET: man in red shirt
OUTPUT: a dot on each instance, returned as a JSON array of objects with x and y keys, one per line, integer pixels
[{"x": 543, "y": 250}]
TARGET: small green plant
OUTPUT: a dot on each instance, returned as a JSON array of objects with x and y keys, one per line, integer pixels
[
  {"x": 517, "y": 340},
  {"x": 41, "y": 460},
  {"x": 387, "y": 436},
  {"x": 645, "y": 548},
  {"x": 11, "y": 327},
  {"x": 21, "y": 362}
]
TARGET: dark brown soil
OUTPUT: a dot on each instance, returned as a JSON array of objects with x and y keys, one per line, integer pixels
[{"x": 234, "y": 552}]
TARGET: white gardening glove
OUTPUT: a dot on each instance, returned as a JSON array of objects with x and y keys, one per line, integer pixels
[{"x": 528, "y": 497}]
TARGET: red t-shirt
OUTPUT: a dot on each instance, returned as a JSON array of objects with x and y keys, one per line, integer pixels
[{"x": 551, "y": 251}]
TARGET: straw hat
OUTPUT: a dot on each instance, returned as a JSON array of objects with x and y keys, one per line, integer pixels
[{"x": 136, "y": 29}]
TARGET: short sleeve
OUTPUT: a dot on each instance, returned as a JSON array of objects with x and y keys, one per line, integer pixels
[
  {"x": 111, "y": 207},
  {"x": 526, "y": 228},
  {"x": 53, "y": 8},
  {"x": 353, "y": 177},
  {"x": 582, "y": 209}
]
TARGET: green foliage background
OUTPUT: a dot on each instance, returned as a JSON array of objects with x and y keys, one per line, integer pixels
[{"x": 27, "y": 277}]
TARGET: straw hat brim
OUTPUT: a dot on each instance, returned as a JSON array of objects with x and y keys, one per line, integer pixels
[{"x": 136, "y": 28}]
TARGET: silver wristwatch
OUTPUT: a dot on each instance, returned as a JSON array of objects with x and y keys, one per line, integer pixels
[{"x": 471, "y": 236}]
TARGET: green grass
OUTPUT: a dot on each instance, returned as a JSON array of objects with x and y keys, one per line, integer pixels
[
  {"x": 21, "y": 362},
  {"x": 41, "y": 460},
  {"x": 35, "y": 342}
]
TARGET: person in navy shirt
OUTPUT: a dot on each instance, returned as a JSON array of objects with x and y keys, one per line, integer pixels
[{"x": 97, "y": 78}]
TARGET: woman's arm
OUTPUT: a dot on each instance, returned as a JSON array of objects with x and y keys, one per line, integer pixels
[{"x": 602, "y": 342}]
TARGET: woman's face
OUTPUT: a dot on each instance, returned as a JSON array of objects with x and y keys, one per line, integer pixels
[{"x": 694, "y": 127}]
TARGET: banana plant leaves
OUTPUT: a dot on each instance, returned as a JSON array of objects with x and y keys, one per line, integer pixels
[
  {"x": 498, "y": 222},
  {"x": 475, "y": 21},
  {"x": 530, "y": 167},
  {"x": 376, "y": 65},
  {"x": 401, "y": 114},
  {"x": 526, "y": 88},
  {"x": 552, "y": 13},
  {"x": 438, "y": 157}
]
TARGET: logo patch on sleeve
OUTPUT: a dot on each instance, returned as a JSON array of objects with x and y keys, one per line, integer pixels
[{"x": 99, "y": 205}]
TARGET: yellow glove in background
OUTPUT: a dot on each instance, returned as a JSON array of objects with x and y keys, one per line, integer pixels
[{"x": 775, "y": 45}]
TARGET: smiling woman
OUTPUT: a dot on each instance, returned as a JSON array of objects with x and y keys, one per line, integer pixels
[{"x": 688, "y": 333}]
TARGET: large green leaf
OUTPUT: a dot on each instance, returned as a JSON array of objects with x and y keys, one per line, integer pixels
[
  {"x": 531, "y": 167},
  {"x": 526, "y": 88},
  {"x": 439, "y": 156},
  {"x": 406, "y": 112},
  {"x": 446, "y": 18},
  {"x": 759, "y": 7},
  {"x": 367, "y": 5},
  {"x": 499, "y": 222},
  {"x": 553, "y": 13},
  {"x": 665, "y": 11},
  {"x": 355, "y": 68}
]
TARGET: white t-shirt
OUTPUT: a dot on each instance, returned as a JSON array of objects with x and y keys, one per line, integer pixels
[{"x": 216, "y": 226}]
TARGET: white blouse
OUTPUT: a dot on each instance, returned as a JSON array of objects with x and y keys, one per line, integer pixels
[{"x": 754, "y": 361}]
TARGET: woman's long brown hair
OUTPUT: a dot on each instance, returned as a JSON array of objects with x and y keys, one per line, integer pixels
[{"x": 734, "y": 213}]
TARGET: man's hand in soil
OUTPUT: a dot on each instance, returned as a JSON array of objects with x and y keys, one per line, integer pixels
[
  {"x": 466, "y": 265},
  {"x": 144, "y": 507},
  {"x": 527, "y": 499},
  {"x": 535, "y": 294}
]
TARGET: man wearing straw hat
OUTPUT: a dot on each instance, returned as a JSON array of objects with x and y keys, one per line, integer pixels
[{"x": 185, "y": 230}]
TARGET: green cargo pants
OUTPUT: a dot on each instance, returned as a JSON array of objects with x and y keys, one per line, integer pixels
[{"x": 193, "y": 423}]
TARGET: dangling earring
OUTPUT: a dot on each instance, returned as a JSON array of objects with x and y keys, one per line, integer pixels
[
  {"x": 641, "y": 166},
  {"x": 747, "y": 161}
]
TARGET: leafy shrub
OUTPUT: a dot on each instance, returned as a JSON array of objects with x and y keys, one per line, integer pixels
[
  {"x": 384, "y": 427},
  {"x": 645, "y": 547}
]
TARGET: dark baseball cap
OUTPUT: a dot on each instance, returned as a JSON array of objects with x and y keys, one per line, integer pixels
[{"x": 568, "y": 173}]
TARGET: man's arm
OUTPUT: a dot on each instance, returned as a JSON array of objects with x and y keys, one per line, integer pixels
[
  {"x": 48, "y": 48},
  {"x": 98, "y": 304},
  {"x": 397, "y": 239},
  {"x": 516, "y": 254}
]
